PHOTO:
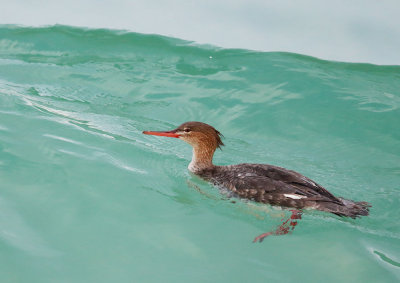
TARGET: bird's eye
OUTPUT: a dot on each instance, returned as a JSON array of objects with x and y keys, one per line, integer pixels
[{"x": 187, "y": 130}]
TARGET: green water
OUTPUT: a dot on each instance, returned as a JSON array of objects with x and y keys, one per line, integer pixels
[{"x": 85, "y": 197}]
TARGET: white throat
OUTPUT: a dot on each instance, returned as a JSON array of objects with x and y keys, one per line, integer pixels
[{"x": 198, "y": 162}]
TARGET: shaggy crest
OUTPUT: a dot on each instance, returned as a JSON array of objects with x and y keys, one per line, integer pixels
[{"x": 202, "y": 127}]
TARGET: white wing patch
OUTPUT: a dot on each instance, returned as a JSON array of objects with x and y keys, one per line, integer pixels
[{"x": 292, "y": 196}]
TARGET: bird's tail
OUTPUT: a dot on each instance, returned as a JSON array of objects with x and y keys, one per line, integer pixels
[{"x": 347, "y": 208}]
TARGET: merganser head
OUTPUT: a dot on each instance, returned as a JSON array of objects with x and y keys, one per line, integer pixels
[{"x": 197, "y": 134}]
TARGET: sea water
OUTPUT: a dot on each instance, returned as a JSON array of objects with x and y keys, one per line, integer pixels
[{"x": 86, "y": 197}]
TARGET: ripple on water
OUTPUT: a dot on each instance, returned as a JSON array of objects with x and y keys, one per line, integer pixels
[{"x": 81, "y": 184}]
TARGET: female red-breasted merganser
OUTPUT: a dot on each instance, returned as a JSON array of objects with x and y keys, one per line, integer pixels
[{"x": 259, "y": 182}]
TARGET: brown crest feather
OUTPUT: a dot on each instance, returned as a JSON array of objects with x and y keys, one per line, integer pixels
[{"x": 203, "y": 127}]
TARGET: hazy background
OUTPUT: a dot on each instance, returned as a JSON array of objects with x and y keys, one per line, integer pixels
[{"x": 354, "y": 31}]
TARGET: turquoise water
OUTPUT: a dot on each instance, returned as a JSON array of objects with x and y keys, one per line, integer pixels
[{"x": 85, "y": 197}]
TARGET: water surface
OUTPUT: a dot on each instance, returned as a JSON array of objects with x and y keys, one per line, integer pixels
[{"x": 85, "y": 197}]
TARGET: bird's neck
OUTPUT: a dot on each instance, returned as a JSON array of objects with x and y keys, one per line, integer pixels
[{"x": 202, "y": 158}]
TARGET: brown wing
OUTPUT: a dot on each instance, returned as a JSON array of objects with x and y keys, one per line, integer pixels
[{"x": 278, "y": 180}]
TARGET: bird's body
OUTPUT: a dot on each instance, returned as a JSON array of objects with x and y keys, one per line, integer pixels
[
  {"x": 278, "y": 186},
  {"x": 258, "y": 182}
]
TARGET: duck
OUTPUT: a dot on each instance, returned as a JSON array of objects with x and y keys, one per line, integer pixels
[{"x": 261, "y": 183}]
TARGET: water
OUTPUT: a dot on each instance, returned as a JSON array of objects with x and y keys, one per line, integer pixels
[{"x": 85, "y": 197}]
